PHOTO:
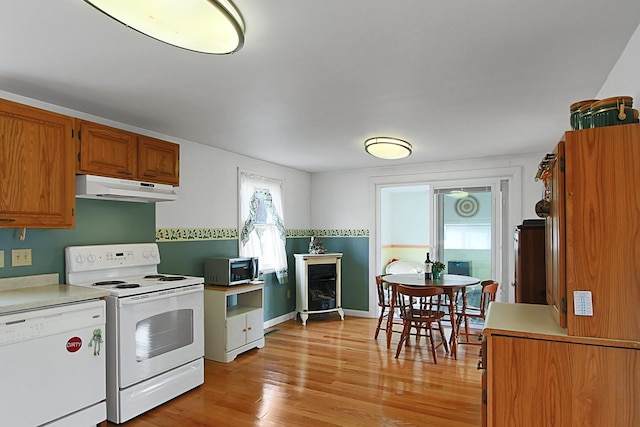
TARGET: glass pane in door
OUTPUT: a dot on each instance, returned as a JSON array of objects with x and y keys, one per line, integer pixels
[{"x": 465, "y": 234}]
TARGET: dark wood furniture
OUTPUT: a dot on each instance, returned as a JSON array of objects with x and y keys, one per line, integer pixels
[
  {"x": 384, "y": 304},
  {"x": 530, "y": 272},
  {"x": 420, "y": 308},
  {"x": 450, "y": 284},
  {"x": 466, "y": 312}
]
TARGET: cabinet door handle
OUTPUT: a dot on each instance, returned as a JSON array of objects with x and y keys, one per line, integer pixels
[
  {"x": 249, "y": 328},
  {"x": 480, "y": 367},
  {"x": 124, "y": 173},
  {"x": 150, "y": 175},
  {"x": 7, "y": 220}
]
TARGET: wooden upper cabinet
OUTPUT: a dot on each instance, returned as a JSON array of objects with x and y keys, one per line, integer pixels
[
  {"x": 107, "y": 151},
  {"x": 37, "y": 158},
  {"x": 158, "y": 161}
]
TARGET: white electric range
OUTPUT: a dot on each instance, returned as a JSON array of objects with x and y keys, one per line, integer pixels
[{"x": 155, "y": 325}]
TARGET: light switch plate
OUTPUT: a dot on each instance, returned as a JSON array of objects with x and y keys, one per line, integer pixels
[
  {"x": 582, "y": 303},
  {"x": 20, "y": 257},
  {"x": 1, "y": 259}
]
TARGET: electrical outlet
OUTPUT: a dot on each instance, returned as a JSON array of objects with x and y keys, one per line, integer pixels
[
  {"x": 20, "y": 257},
  {"x": 1, "y": 259}
]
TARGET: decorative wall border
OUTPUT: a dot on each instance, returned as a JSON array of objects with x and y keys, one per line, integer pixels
[
  {"x": 186, "y": 234},
  {"x": 359, "y": 232},
  {"x": 182, "y": 234}
]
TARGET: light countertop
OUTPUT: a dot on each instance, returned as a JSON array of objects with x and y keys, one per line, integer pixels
[
  {"x": 536, "y": 321},
  {"x": 526, "y": 318},
  {"x": 31, "y": 292}
]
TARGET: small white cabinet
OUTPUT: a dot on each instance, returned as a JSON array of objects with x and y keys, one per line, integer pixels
[
  {"x": 318, "y": 284},
  {"x": 233, "y": 320}
]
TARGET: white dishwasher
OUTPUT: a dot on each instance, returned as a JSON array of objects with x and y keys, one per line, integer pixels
[{"x": 52, "y": 366}]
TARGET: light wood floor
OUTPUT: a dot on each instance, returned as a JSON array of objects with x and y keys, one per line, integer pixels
[{"x": 330, "y": 373}]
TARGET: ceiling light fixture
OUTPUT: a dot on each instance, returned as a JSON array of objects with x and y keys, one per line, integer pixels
[
  {"x": 458, "y": 194},
  {"x": 387, "y": 148},
  {"x": 206, "y": 26}
]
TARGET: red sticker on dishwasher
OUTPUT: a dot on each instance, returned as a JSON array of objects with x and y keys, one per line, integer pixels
[{"x": 74, "y": 344}]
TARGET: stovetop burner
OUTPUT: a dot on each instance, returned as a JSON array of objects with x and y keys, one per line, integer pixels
[
  {"x": 128, "y": 286},
  {"x": 171, "y": 278},
  {"x": 108, "y": 283},
  {"x": 153, "y": 276}
]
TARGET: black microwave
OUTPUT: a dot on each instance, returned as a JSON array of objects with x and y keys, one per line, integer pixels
[{"x": 227, "y": 271}]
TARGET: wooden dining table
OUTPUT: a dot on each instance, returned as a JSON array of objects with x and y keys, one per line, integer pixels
[{"x": 450, "y": 284}]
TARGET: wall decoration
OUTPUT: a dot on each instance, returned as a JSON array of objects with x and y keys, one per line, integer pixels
[
  {"x": 186, "y": 234},
  {"x": 467, "y": 207}
]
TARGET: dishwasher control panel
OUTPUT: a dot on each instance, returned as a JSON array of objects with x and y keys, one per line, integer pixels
[{"x": 28, "y": 325}]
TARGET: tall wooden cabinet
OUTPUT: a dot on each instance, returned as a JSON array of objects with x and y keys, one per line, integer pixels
[
  {"x": 594, "y": 232},
  {"x": 530, "y": 272},
  {"x": 37, "y": 178},
  {"x": 575, "y": 362}
]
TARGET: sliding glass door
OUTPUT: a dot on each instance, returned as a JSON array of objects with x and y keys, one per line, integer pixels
[
  {"x": 466, "y": 233},
  {"x": 464, "y": 230}
]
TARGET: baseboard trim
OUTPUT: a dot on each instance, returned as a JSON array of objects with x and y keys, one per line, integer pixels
[
  {"x": 292, "y": 315},
  {"x": 280, "y": 319}
]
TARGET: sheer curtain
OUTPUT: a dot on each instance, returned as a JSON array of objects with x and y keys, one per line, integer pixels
[{"x": 262, "y": 231}]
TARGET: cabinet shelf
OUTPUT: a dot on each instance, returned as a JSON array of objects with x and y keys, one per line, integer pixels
[{"x": 240, "y": 310}]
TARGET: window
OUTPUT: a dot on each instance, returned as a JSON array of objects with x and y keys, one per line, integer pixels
[
  {"x": 262, "y": 233},
  {"x": 466, "y": 236}
]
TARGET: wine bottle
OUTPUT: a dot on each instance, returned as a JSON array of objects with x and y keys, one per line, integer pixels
[{"x": 428, "y": 265}]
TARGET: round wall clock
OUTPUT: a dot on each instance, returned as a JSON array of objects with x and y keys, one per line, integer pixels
[{"x": 467, "y": 207}]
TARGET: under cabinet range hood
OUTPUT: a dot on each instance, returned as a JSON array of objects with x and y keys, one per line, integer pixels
[{"x": 126, "y": 190}]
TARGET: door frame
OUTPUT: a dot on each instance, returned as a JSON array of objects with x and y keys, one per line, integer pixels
[{"x": 512, "y": 216}]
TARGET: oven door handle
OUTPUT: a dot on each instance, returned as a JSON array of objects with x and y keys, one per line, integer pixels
[{"x": 154, "y": 296}]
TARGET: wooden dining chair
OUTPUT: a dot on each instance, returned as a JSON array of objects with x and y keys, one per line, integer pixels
[
  {"x": 384, "y": 303},
  {"x": 488, "y": 294},
  {"x": 420, "y": 308}
]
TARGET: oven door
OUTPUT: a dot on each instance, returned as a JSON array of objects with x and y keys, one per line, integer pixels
[{"x": 158, "y": 332}]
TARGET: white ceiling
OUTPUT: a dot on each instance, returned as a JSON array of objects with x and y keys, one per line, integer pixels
[{"x": 457, "y": 79}]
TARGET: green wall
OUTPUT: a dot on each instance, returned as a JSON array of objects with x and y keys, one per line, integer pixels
[
  {"x": 186, "y": 257},
  {"x": 106, "y": 222},
  {"x": 97, "y": 222}
]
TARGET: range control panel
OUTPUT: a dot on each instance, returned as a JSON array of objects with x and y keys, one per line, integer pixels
[{"x": 103, "y": 257}]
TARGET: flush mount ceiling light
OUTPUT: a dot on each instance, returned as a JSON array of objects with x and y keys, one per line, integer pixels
[
  {"x": 387, "y": 148},
  {"x": 458, "y": 194},
  {"x": 207, "y": 26}
]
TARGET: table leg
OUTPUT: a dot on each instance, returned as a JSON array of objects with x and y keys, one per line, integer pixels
[
  {"x": 466, "y": 319},
  {"x": 453, "y": 342}
]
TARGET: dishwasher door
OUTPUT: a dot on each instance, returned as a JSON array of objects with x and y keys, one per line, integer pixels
[{"x": 53, "y": 364}]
